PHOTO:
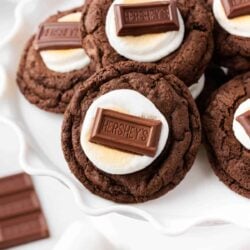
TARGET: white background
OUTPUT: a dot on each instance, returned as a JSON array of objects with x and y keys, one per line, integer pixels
[{"x": 61, "y": 211}]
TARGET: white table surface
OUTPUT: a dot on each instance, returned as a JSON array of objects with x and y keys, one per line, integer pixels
[{"x": 61, "y": 211}]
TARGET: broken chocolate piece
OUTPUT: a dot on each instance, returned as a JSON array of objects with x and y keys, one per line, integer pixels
[
  {"x": 21, "y": 216},
  {"x": 244, "y": 120}
]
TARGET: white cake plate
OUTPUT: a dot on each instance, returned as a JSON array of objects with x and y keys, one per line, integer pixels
[{"x": 199, "y": 200}]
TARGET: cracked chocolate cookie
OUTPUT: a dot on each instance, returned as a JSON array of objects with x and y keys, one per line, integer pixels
[
  {"x": 232, "y": 36},
  {"x": 226, "y": 124},
  {"x": 54, "y": 63},
  {"x": 184, "y": 52},
  {"x": 131, "y": 133}
]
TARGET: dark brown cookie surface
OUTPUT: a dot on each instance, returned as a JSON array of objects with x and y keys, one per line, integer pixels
[
  {"x": 172, "y": 99},
  {"x": 232, "y": 51},
  {"x": 188, "y": 62},
  {"x": 229, "y": 159},
  {"x": 47, "y": 89}
]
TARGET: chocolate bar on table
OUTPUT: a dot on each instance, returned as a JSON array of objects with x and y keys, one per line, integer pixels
[{"x": 21, "y": 216}]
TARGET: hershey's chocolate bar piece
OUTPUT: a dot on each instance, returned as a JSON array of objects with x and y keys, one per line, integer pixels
[
  {"x": 19, "y": 203},
  {"x": 236, "y": 8},
  {"x": 126, "y": 132},
  {"x": 15, "y": 183},
  {"x": 22, "y": 229},
  {"x": 64, "y": 35},
  {"x": 244, "y": 120},
  {"x": 146, "y": 18},
  {"x": 21, "y": 217}
]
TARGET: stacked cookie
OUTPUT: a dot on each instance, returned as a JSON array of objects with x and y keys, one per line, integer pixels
[
  {"x": 126, "y": 73},
  {"x": 51, "y": 69}
]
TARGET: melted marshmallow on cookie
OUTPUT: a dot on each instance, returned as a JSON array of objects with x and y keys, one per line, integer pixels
[
  {"x": 64, "y": 61},
  {"x": 114, "y": 161},
  {"x": 143, "y": 48},
  {"x": 239, "y": 26}
]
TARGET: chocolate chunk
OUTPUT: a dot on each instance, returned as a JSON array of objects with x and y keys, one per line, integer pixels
[
  {"x": 126, "y": 132},
  {"x": 146, "y": 18},
  {"x": 244, "y": 120},
  {"x": 236, "y": 8},
  {"x": 19, "y": 203},
  {"x": 22, "y": 229},
  {"x": 22, "y": 182},
  {"x": 64, "y": 35},
  {"x": 21, "y": 216}
]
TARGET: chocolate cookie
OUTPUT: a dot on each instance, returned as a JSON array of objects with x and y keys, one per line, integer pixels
[
  {"x": 227, "y": 138},
  {"x": 232, "y": 49},
  {"x": 52, "y": 89},
  {"x": 187, "y": 62},
  {"x": 161, "y": 92}
]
